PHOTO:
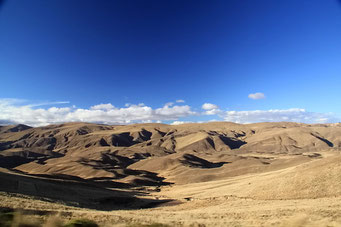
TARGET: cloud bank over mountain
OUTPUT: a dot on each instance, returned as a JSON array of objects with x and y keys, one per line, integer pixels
[
  {"x": 11, "y": 112},
  {"x": 14, "y": 111},
  {"x": 294, "y": 115}
]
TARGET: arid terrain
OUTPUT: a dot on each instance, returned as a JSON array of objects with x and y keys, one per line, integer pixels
[{"x": 207, "y": 174}]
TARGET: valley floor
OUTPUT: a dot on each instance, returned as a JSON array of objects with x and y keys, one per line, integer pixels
[{"x": 214, "y": 203}]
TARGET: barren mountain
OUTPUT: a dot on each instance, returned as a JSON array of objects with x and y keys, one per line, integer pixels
[{"x": 149, "y": 164}]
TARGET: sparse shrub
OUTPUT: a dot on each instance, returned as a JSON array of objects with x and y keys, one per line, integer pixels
[
  {"x": 6, "y": 219},
  {"x": 149, "y": 225},
  {"x": 53, "y": 221},
  {"x": 81, "y": 223},
  {"x": 157, "y": 225},
  {"x": 16, "y": 219}
]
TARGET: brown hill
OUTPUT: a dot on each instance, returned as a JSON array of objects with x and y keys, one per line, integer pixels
[
  {"x": 157, "y": 154},
  {"x": 214, "y": 174}
]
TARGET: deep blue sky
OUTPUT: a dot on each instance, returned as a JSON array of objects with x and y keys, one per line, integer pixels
[{"x": 92, "y": 52}]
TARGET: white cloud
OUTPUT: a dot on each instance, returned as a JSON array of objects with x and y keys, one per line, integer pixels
[
  {"x": 293, "y": 115},
  {"x": 180, "y": 101},
  {"x": 212, "y": 112},
  {"x": 257, "y": 95},
  {"x": 209, "y": 106},
  {"x": 168, "y": 104},
  {"x": 211, "y": 109},
  {"x": 12, "y": 101},
  {"x": 48, "y": 103},
  {"x": 12, "y": 111},
  {"x": 174, "y": 112},
  {"x": 22, "y": 102},
  {"x": 107, "y": 106},
  {"x": 180, "y": 122}
]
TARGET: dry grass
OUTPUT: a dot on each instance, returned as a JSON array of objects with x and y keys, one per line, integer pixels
[{"x": 200, "y": 211}]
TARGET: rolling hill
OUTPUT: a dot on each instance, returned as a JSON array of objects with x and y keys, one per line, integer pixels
[{"x": 145, "y": 165}]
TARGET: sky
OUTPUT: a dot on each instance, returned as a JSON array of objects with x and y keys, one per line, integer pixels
[{"x": 132, "y": 61}]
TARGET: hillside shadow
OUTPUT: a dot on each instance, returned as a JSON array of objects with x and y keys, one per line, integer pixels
[
  {"x": 14, "y": 159},
  {"x": 330, "y": 144},
  {"x": 75, "y": 192},
  {"x": 117, "y": 165},
  {"x": 232, "y": 142},
  {"x": 126, "y": 140},
  {"x": 196, "y": 162}
]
